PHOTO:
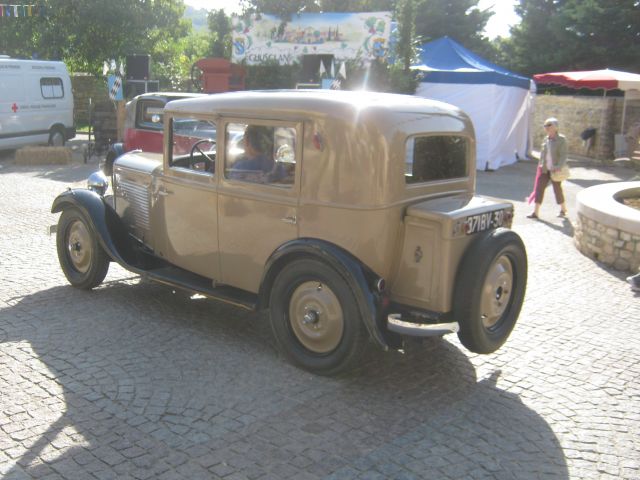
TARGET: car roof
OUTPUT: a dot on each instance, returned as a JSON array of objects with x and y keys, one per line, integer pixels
[
  {"x": 171, "y": 95},
  {"x": 330, "y": 103}
]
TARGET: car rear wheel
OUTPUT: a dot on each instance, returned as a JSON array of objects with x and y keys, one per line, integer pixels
[
  {"x": 491, "y": 283},
  {"x": 315, "y": 318},
  {"x": 83, "y": 260}
]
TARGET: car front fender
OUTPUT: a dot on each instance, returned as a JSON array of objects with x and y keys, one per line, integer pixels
[
  {"x": 362, "y": 279},
  {"x": 103, "y": 219}
]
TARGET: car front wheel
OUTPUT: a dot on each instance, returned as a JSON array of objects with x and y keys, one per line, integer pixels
[
  {"x": 83, "y": 260},
  {"x": 490, "y": 289},
  {"x": 315, "y": 318}
]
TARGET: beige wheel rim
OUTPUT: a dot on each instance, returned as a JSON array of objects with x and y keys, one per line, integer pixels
[
  {"x": 496, "y": 291},
  {"x": 79, "y": 246},
  {"x": 316, "y": 317}
]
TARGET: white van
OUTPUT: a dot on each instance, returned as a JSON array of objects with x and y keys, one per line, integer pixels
[{"x": 36, "y": 103}]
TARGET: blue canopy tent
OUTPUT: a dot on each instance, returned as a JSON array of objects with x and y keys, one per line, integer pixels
[{"x": 497, "y": 101}]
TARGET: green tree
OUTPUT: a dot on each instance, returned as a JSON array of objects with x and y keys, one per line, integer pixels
[
  {"x": 461, "y": 20},
  {"x": 220, "y": 28},
  {"x": 534, "y": 45},
  {"x": 282, "y": 8},
  {"x": 573, "y": 35},
  {"x": 85, "y": 33}
]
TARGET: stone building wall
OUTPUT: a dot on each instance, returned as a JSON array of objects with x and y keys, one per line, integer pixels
[
  {"x": 577, "y": 113},
  {"x": 85, "y": 87}
]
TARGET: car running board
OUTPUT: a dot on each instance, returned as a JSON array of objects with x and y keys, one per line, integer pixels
[{"x": 177, "y": 277}]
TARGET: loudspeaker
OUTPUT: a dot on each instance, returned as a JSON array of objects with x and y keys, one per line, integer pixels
[
  {"x": 133, "y": 88},
  {"x": 138, "y": 67}
]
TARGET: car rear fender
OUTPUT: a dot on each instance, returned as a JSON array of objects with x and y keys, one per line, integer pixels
[
  {"x": 104, "y": 221},
  {"x": 362, "y": 280}
]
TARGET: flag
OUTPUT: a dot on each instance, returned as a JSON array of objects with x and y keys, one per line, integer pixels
[
  {"x": 115, "y": 87},
  {"x": 105, "y": 68},
  {"x": 333, "y": 69},
  {"x": 343, "y": 70},
  {"x": 322, "y": 71}
]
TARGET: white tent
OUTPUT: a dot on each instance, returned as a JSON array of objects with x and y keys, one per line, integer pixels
[{"x": 497, "y": 101}]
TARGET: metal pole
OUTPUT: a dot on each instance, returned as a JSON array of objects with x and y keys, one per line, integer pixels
[{"x": 624, "y": 111}]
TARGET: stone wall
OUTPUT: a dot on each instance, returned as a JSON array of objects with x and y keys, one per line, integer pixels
[
  {"x": 577, "y": 113},
  {"x": 607, "y": 229},
  {"x": 613, "y": 247},
  {"x": 85, "y": 87}
]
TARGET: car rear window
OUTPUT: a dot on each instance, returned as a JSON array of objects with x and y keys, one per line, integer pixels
[{"x": 435, "y": 157}]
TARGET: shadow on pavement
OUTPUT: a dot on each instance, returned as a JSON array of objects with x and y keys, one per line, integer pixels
[
  {"x": 152, "y": 382},
  {"x": 75, "y": 172},
  {"x": 566, "y": 227}
]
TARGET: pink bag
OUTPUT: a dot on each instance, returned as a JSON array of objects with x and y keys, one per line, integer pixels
[{"x": 532, "y": 196}]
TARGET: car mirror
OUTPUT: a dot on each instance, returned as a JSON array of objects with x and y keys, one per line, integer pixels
[{"x": 155, "y": 118}]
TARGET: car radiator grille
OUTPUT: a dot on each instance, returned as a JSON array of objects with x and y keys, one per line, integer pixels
[{"x": 139, "y": 200}]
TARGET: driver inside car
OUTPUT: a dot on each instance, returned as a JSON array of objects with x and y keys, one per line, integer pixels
[{"x": 257, "y": 163}]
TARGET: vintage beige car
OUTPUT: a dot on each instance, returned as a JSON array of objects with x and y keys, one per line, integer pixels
[{"x": 349, "y": 216}]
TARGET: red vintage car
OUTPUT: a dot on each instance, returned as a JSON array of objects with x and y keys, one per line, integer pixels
[{"x": 143, "y": 128}]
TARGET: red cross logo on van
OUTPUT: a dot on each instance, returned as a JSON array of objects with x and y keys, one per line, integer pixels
[{"x": 14, "y": 107}]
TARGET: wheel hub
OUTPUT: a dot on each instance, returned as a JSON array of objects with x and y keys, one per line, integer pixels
[
  {"x": 496, "y": 292},
  {"x": 311, "y": 317},
  {"x": 316, "y": 317},
  {"x": 79, "y": 246}
]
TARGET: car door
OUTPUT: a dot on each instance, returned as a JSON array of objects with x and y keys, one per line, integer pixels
[
  {"x": 257, "y": 196},
  {"x": 186, "y": 194}
]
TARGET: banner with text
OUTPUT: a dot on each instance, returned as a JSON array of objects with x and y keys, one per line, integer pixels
[{"x": 343, "y": 35}]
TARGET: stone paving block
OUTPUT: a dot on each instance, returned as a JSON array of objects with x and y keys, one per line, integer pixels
[{"x": 133, "y": 380}]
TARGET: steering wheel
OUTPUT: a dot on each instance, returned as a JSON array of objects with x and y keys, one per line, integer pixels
[{"x": 208, "y": 161}]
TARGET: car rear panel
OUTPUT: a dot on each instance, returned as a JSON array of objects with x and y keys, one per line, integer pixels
[{"x": 436, "y": 233}]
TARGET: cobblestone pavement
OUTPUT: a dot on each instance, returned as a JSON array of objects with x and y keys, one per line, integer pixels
[{"x": 133, "y": 380}]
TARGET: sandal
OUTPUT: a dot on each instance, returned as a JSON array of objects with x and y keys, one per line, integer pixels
[
  {"x": 533, "y": 215},
  {"x": 562, "y": 214}
]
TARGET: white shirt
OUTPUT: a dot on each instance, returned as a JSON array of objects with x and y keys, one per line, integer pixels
[{"x": 549, "y": 160}]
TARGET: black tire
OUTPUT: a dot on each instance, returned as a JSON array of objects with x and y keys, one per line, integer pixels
[
  {"x": 490, "y": 286},
  {"x": 330, "y": 337},
  {"x": 83, "y": 260},
  {"x": 56, "y": 137}
]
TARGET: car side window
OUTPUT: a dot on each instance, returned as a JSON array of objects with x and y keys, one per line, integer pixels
[
  {"x": 260, "y": 154},
  {"x": 193, "y": 144},
  {"x": 435, "y": 157}
]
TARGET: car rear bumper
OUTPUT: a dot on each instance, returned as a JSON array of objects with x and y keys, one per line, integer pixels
[{"x": 396, "y": 324}]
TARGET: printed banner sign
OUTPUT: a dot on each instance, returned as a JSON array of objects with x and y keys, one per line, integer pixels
[{"x": 343, "y": 35}]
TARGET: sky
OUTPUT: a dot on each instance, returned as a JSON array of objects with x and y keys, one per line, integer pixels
[{"x": 498, "y": 25}]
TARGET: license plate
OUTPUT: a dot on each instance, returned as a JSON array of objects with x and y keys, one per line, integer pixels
[{"x": 486, "y": 221}]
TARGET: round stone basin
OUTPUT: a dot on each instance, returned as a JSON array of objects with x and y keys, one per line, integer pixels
[{"x": 608, "y": 230}]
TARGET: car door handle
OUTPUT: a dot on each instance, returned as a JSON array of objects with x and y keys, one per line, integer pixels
[{"x": 292, "y": 220}]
